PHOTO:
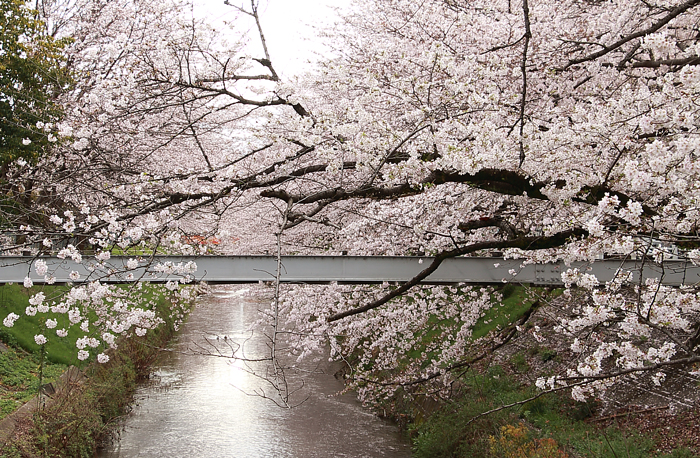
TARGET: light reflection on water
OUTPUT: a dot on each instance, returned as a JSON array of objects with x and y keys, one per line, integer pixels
[{"x": 197, "y": 407}]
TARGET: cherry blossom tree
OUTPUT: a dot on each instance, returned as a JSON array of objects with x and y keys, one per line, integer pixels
[
  {"x": 144, "y": 153},
  {"x": 549, "y": 131},
  {"x": 546, "y": 131}
]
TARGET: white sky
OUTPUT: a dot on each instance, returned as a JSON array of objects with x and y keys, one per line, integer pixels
[{"x": 288, "y": 26}]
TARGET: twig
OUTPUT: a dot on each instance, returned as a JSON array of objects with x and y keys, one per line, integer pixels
[{"x": 623, "y": 414}]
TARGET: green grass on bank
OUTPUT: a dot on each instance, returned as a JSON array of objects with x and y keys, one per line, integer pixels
[
  {"x": 516, "y": 301},
  {"x": 78, "y": 421},
  {"x": 15, "y": 299},
  {"x": 75, "y": 423},
  {"x": 60, "y": 350},
  {"x": 19, "y": 378},
  {"x": 548, "y": 427},
  {"x": 20, "y": 364}
]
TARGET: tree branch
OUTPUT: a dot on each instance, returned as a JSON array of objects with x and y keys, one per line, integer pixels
[
  {"x": 528, "y": 243},
  {"x": 692, "y": 60},
  {"x": 500, "y": 181},
  {"x": 680, "y": 9},
  {"x": 523, "y": 70}
]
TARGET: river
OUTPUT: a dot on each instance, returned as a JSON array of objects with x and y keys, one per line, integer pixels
[{"x": 198, "y": 406}]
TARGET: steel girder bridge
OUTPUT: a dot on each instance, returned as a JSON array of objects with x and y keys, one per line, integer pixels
[{"x": 326, "y": 269}]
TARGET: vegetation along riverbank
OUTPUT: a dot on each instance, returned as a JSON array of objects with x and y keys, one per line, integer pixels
[
  {"x": 468, "y": 418},
  {"x": 72, "y": 416}
]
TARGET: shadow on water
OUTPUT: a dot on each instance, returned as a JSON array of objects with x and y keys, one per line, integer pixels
[{"x": 200, "y": 406}]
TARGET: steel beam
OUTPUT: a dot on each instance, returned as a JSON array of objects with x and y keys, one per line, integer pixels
[{"x": 344, "y": 269}]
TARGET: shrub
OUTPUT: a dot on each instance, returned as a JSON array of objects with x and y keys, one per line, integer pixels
[{"x": 516, "y": 442}]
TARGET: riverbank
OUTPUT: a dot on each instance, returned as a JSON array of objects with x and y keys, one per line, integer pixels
[
  {"x": 19, "y": 377},
  {"x": 632, "y": 421},
  {"x": 78, "y": 418},
  {"x": 548, "y": 427}
]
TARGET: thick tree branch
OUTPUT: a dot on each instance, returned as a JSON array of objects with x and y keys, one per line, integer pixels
[
  {"x": 677, "y": 11},
  {"x": 692, "y": 60},
  {"x": 499, "y": 181}
]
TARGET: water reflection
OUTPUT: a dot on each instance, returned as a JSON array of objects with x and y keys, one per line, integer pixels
[{"x": 197, "y": 406}]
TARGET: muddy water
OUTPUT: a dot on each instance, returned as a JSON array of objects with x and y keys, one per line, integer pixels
[{"x": 202, "y": 406}]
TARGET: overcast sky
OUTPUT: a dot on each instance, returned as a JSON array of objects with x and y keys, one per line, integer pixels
[{"x": 288, "y": 26}]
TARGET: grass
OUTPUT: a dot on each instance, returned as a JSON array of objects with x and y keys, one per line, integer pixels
[
  {"x": 74, "y": 425},
  {"x": 546, "y": 427},
  {"x": 20, "y": 365},
  {"x": 516, "y": 301},
  {"x": 19, "y": 378},
  {"x": 60, "y": 350},
  {"x": 14, "y": 298}
]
